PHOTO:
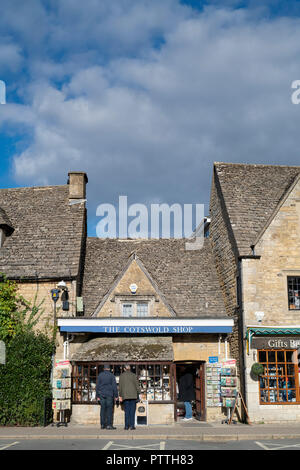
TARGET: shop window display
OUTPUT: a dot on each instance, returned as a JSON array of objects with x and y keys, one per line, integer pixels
[
  {"x": 155, "y": 381},
  {"x": 279, "y": 383}
]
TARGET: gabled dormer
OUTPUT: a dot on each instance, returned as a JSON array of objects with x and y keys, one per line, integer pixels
[{"x": 134, "y": 293}]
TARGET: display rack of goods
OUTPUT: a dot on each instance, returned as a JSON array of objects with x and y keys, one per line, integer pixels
[
  {"x": 61, "y": 390},
  {"x": 213, "y": 390}
]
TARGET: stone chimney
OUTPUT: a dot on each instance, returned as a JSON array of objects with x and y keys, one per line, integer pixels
[{"x": 77, "y": 184}]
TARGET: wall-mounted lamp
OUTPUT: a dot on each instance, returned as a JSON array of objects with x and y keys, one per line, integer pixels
[{"x": 259, "y": 316}]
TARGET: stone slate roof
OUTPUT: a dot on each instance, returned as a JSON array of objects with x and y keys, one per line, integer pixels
[
  {"x": 251, "y": 194},
  {"x": 47, "y": 237},
  {"x": 125, "y": 349},
  {"x": 187, "y": 279}
]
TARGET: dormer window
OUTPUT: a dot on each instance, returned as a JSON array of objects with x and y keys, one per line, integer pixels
[
  {"x": 6, "y": 228},
  {"x": 2, "y": 237},
  {"x": 135, "y": 309}
]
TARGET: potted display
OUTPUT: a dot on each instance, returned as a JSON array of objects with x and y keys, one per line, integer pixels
[{"x": 257, "y": 369}]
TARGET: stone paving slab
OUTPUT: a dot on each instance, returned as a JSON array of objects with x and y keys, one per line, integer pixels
[{"x": 201, "y": 431}]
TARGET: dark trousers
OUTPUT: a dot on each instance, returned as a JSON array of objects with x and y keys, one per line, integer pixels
[
  {"x": 129, "y": 407},
  {"x": 106, "y": 413}
]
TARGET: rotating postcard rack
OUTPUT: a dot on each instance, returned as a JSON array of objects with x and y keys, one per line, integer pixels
[{"x": 61, "y": 390}]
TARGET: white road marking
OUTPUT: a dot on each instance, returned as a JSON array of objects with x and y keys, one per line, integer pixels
[
  {"x": 161, "y": 446},
  {"x": 261, "y": 445},
  {"x": 9, "y": 445},
  {"x": 272, "y": 446},
  {"x": 107, "y": 446}
]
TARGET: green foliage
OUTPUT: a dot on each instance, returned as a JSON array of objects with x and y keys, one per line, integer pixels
[
  {"x": 25, "y": 379},
  {"x": 257, "y": 369},
  {"x": 9, "y": 304}
]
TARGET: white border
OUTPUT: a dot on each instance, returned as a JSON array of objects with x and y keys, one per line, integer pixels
[{"x": 143, "y": 322}]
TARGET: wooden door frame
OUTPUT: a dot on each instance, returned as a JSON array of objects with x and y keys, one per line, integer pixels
[{"x": 201, "y": 365}]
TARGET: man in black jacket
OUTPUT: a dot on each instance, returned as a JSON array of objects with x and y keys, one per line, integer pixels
[
  {"x": 187, "y": 392},
  {"x": 106, "y": 393}
]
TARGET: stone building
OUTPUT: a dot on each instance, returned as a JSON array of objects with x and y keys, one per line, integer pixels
[
  {"x": 150, "y": 303},
  {"x": 255, "y": 236},
  {"x": 157, "y": 306},
  {"x": 42, "y": 241}
]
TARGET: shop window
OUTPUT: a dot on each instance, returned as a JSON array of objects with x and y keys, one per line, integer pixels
[
  {"x": 294, "y": 292},
  {"x": 279, "y": 382},
  {"x": 155, "y": 381}
]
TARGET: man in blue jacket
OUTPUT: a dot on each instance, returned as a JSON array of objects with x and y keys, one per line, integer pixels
[{"x": 106, "y": 393}]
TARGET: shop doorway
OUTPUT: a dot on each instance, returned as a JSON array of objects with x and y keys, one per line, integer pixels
[{"x": 197, "y": 369}]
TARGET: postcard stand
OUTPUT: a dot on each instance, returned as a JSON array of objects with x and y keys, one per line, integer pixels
[
  {"x": 228, "y": 388},
  {"x": 62, "y": 390}
]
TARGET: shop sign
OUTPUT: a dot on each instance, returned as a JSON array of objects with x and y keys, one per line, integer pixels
[
  {"x": 213, "y": 359},
  {"x": 276, "y": 342},
  {"x": 159, "y": 329}
]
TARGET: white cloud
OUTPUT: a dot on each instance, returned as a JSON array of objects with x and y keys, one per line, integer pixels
[{"x": 150, "y": 126}]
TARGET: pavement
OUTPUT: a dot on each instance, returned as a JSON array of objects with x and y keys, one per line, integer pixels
[{"x": 193, "y": 430}]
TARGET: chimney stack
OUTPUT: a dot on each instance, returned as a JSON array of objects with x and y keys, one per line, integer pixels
[{"x": 77, "y": 184}]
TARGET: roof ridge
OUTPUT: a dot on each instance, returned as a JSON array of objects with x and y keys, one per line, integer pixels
[
  {"x": 257, "y": 165},
  {"x": 35, "y": 187}
]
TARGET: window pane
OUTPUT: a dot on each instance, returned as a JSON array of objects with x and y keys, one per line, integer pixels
[
  {"x": 142, "y": 309},
  {"x": 262, "y": 355},
  {"x": 127, "y": 310},
  {"x": 294, "y": 293},
  {"x": 280, "y": 356},
  {"x": 289, "y": 356},
  {"x": 278, "y": 383},
  {"x": 271, "y": 356}
]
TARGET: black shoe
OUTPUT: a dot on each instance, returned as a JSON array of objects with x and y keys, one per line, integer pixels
[
  {"x": 126, "y": 429},
  {"x": 103, "y": 427},
  {"x": 110, "y": 427},
  {"x": 132, "y": 428}
]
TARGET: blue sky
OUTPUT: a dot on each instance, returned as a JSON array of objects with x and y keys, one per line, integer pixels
[{"x": 144, "y": 95}]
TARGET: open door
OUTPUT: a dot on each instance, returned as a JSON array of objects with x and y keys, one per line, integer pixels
[{"x": 200, "y": 411}]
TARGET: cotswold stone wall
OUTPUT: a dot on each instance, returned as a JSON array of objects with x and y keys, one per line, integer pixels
[
  {"x": 225, "y": 255},
  {"x": 265, "y": 289},
  {"x": 145, "y": 292},
  {"x": 41, "y": 290}
]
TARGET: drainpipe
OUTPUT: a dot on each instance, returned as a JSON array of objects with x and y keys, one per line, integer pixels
[
  {"x": 242, "y": 319},
  {"x": 66, "y": 346},
  {"x": 243, "y": 331}
]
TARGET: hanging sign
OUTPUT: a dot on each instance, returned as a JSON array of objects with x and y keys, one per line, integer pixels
[{"x": 276, "y": 342}]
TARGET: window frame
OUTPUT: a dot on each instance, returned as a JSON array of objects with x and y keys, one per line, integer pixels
[
  {"x": 88, "y": 389},
  {"x": 137, "y": 309},
  {"x": 132, "y": 309},
  {"x": 292, "y": 278},
  {"x": 135, "y": 304},
  {"x": 276, "y": 378}
]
